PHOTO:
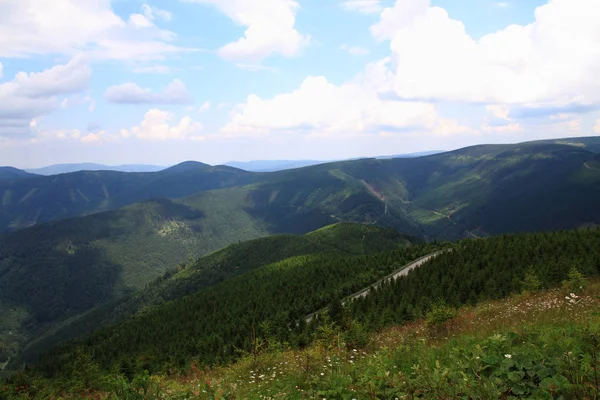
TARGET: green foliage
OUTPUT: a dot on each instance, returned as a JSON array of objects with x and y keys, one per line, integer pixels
[
  {"x": 212, "y": 323},
  {"x": 531, "y": 283},
  {"x": 210, "y": 270},
  {"x": 576, "y": 281},
  {"x": 439, "y": 315},
  {"x": 478, "y": 270}
]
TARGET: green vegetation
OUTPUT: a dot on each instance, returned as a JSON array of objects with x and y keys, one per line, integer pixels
[
  {"x": 79, "y": 264},
  {"x": 217, "y": 325},
  {"x": 237, "y": 259},
  {"x": 538, "y": 345},
  {"x": 134, "y": 266},
  {"x": 214, "y": 322},
  {"x": 47, "y": 198}
]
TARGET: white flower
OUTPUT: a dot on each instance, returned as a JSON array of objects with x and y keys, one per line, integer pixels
[{"x": 508, "y": 356}]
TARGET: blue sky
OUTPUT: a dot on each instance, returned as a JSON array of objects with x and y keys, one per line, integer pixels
[{"x": 159, "y": 82}]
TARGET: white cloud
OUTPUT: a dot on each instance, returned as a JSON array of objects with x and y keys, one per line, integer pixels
[
  {"x": 551, "y": 63},
  {"x": 140, "y": 21},
  {"x": 319, "y": 107},
  {"x": 270, "y": 28},
  {"x": 153, "y": 13},
  {"x": 204, "y": 107},
  {"x": 355, "y": 50},
  {"x": 157, "y": 126},
  {"x": 1, "y": 70},
  {"x": 31, "y": 95},
  {"x": 501, "y": 4},
  {"x": 130, "y": 93},
  {"x": 363, "y": 6},
  {"x": 38, "y": 27}
]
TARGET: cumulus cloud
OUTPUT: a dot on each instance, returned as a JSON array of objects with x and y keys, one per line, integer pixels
[
  {"x": 597, "y": 127},
  {"x": 552, "y": 62},
  {"x": 31, "y": 95},
  {"x": 319, "y": 107},
  {"x": 157, "y": 126},
  {"x": 270, "y": 28},
  {"x": 363, "y": 6},
  {"x": 1, "y": 70},
  {"x": 131, "y": 93},
  {"x": 37, "y": 27}
]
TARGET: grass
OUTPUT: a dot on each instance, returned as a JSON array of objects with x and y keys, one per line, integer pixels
[{"x": 542, "y": 345}]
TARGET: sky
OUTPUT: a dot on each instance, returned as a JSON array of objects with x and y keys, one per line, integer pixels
[{"x": 164, "y": 81}]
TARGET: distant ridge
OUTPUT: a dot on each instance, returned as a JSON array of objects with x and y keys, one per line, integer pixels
[
  {"x": 8, "y": 173},
  {"x": 68, "y": 168}
]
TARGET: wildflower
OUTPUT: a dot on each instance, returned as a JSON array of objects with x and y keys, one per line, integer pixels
[{"x": 508, "y": 356}]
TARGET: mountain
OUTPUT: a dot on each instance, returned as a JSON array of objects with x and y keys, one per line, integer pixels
[
  {"x": 216, "y": 325},
  {"x": 272, "y": 165},
  {"x": 10, "y": 173},
  {"x": 47, "y": 198},
  {"x": 68, "y": 168}
]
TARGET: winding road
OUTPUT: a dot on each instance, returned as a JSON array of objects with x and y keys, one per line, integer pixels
[{"x": 399, "y": 272}]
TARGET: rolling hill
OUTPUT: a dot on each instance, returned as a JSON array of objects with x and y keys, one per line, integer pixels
[
  {"x": 47, "y": 198},
  {"x": 10, "y": 173}
]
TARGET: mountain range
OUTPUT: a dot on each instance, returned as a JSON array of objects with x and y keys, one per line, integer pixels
[{"x": 76, "y": 241}]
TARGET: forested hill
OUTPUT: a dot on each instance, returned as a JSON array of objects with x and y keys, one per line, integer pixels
[
  {"x": 10, "y": 173},
  {"x": 476, "y": 191},
  {"x": 27, "y": 202},
  {"x": 208, "y": 326},
  {"x": 51, "y": 273}
]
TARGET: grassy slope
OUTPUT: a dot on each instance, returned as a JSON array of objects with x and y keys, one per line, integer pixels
[
  {"x": 470, "y": 358},
  {"x": 535, "y": 345}
]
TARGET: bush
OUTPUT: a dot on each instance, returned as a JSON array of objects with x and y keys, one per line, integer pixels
[{"x": 438, "y": 317}]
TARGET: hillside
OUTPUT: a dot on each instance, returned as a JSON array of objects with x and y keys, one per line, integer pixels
[
  {"x": 47, "y": 198},
  {"x": 193, "y": 330},
  {"x": 476, "y": 191},
  {"x": 81, "y": 263},
  {"x": 10, "y": 173},
  {"x": 284, "y": 291}
]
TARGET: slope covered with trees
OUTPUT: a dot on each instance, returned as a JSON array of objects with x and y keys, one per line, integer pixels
[
  {"x": 210, "y": 325},
  {"x": 27, "y": 202}
]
